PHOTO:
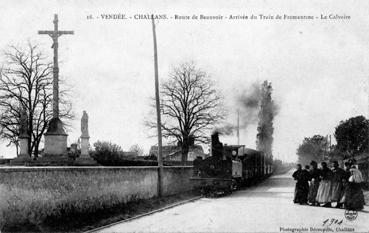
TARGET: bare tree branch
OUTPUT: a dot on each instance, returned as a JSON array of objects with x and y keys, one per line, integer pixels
[
  {"x": 26, "y": 82},
  {"x": 189, "y": 106}
]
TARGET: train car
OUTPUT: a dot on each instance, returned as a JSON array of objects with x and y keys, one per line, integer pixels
[
  {"x": 229, "y": 167},
  {"x": 252, "y": 161}
]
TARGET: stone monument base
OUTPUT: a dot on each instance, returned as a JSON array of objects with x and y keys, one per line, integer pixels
[
  {"x": 85, "y": 145},
  {"x": 51, "y": 160},
  {"x": 55, "y": 144},
  {"x": 85, "y": 162},
  {"x": 21, "y": 160},
  {"x": 55, "y": 139},
  {"x": 23, "y": 146}
]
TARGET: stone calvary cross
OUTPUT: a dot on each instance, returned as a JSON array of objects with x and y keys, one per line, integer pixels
[
  {"x": 55, "y": 137},
  {"x": 54, "y": 36}
]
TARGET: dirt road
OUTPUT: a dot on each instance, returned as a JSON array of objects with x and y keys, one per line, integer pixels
[{"x": 267, "y": 207}]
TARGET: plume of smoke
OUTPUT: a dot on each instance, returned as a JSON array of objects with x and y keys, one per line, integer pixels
[
  {"x": 248, "y": 103},
  {"x": 268, "y": 110},
  {"x": 255, "y": 106},
  {"x": 225, "y": 129}
]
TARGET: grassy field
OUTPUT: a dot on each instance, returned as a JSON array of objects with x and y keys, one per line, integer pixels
[
  {"x": 44, "y": 211},
  {"x": 39, "y": 200}
]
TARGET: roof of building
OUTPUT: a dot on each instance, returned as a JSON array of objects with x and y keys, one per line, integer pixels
[{"x": 173, "y": 149}]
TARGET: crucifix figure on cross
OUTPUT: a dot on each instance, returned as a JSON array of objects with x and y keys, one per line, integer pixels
[
  {"x": 54, "y": 36},
  {"x": 55, "y": 137}
]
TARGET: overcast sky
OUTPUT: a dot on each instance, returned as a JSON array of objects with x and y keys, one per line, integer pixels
[{"x": 318, "y": 68}]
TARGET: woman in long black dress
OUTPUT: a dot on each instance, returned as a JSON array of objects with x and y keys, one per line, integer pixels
[
  {"x": 345, "y": 183},
  {"x": 302, "y": 185},
  {"x": 337, "y": 183},
  {"x": 314, "y": 183},
  {"x": 354, "y": 197}
]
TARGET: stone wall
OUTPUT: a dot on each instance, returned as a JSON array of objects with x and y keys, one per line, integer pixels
[
  {"x": 31, "y": 195},
  {"x": 176, "y": 179},
  {"x": 131, "y": 182}
]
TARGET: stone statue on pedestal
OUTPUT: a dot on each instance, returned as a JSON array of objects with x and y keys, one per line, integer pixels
[
  {"x": 23, "y": 138},
  {"x": 85, "y": 158},
  {"x": 23, "y": 133},
  {"x": 84, "y": 125}
]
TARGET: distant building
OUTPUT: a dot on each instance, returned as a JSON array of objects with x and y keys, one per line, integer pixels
[
  {"x": 132, "y": 154},
  {"x": 166, "y": 150},
  {"x": 174, "y": 153}
]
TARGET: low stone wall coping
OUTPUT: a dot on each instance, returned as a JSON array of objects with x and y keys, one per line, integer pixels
[{"x": 81, "y": 168}]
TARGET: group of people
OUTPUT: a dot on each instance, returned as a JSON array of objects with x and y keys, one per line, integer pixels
[{"x": 324, "y": 186}]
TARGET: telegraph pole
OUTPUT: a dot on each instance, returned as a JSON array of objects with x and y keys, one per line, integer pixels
[
  {"x": 368, "y": 114},
  {"x": 158, "y": 118}
]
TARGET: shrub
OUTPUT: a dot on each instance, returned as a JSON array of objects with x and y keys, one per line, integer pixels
[
  {"x": 110, "y": 154},
  {"x": 106, "y": 153}
]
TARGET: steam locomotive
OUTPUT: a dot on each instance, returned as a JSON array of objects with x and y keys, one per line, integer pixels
[{"x": 229, "y": 167}]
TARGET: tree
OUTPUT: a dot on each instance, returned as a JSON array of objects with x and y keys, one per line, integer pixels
[
  {"x": 137, "y": 148},
  {"x": 313, "y": 148},
  {"x": 352, "y": 136},
  {"x": 26, "y": 83},
  {"x": 266, "y": 115},
  {"x": 190, "y": 106}
]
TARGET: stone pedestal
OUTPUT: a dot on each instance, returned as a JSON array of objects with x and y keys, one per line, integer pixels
[
  {"x": 85, "y": 146},
  {"x": 55, "y": 149},
  {"x": 23, "y": 156},
  {"x": 85, "y": 162},
  {"x": 23, "y": 147},
  {"x": 55, "y": 139},
  {"x": 55, "y": 144},
  {"x": 84, "y": 158}
]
